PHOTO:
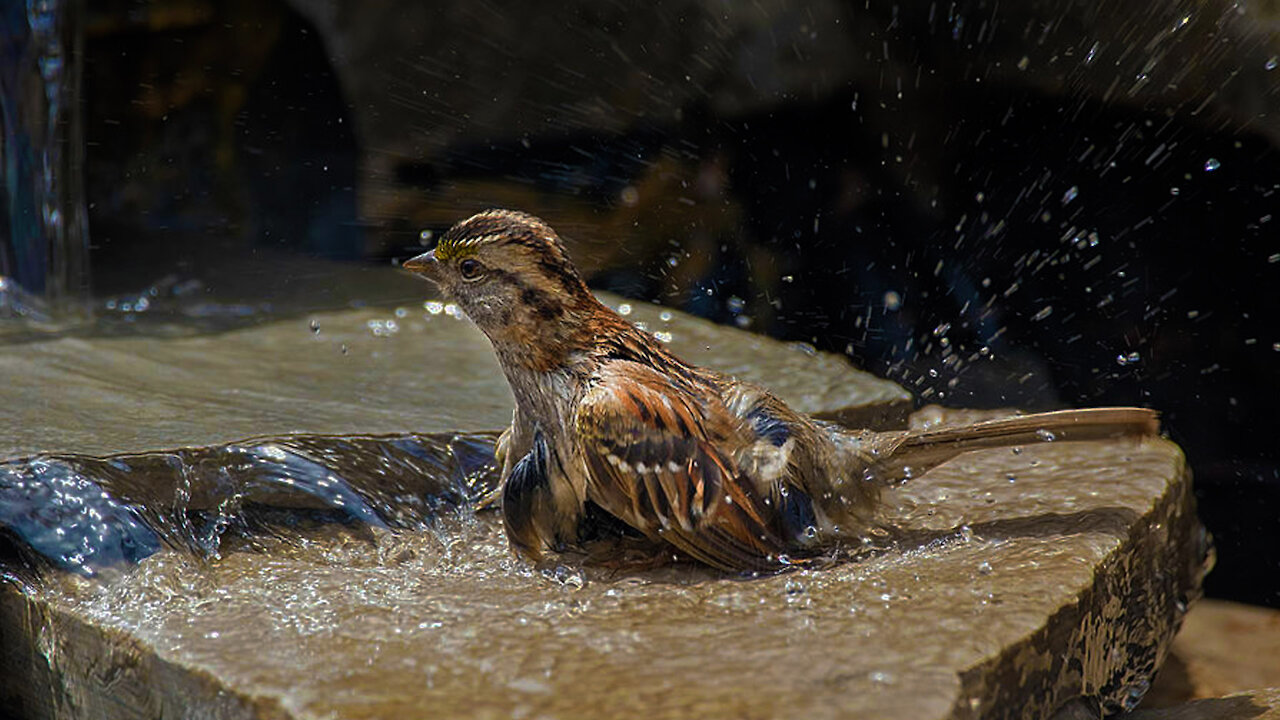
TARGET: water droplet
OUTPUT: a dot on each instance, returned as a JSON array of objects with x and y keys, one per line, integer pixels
[
  {"x": 1134, "y": 694},
  {"x": 383, "y": 328},
  {"x": 433, "y": 306},
  {"x": 794, "y": 587},
  {"x": 735, "y": 304},
  {"x": 942, "y": 329},
  {"x": 1045, "y": 312},
  {"x": 665, "y": 316},
  {"x": 425, "y": 236},
  {"x": 880, "y": 677},
  {"x": 1174, "y": 191},
  {"x": 966, "y": 533},
  {"x": 1131, "y": 358},
  {"x": 566, "y": 576},
  {"x": 984, "y": 568},
  {"x": 1272, "y": 62},
  {"x": 1274, "y": 258},
  {"x": 788, "y": 278},
  {"x": 1211, "y": 164},
  {"x": 1046, "y": 435},
  {"x": 315, "y": 326},
  {"x": 624, "y": 309},
  {"x": 892, "y": 300},
  {"x": 1070, "y": 194}
]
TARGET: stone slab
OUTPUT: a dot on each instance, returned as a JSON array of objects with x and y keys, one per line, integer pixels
[
  {"x": 1015, "y": 583},
  {"x": 374, "y": 370}
]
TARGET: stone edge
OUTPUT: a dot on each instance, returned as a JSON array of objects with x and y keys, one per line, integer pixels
[
  {"x": 54, "y": 665},
  {"x": 1107, "y": 672}
]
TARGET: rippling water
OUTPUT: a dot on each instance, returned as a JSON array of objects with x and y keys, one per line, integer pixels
[{"x": 87, "y": 514}]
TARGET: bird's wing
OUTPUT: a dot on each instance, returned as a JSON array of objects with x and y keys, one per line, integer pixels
[{"x": 653, "y": 463}]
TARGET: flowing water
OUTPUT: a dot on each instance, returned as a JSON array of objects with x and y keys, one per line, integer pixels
[{"x": 87, "y": 514}]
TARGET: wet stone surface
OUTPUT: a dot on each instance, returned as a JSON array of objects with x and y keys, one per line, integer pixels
[
  {"x": 1010, "y": 584},
  {"x": 996, "y": 599},
  {"x": 411, "y": 369}
]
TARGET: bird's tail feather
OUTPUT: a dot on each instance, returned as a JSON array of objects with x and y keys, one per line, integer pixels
[{"x": 914, "y": 452}]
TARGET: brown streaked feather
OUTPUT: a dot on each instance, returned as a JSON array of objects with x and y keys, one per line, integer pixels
[{"x": 653, "y": 462}]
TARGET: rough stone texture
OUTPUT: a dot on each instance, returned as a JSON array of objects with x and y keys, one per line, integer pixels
[
  {"x": 1223, "y": 648},
  {"x": 433, "y": 373},
  {"x": 1252, "y": 705},
  {"x": 1013, "y": 584}
]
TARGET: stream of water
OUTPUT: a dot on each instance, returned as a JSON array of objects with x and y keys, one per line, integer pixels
[{"x": 87, "y": 514}]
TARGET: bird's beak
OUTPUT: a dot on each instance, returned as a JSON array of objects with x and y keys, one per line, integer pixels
[{"x": 424, "y": 264}]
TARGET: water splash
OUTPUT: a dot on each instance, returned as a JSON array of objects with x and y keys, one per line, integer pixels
[
  {"x": 68, "y": 518},
  {"x": 85, "y": 514}
]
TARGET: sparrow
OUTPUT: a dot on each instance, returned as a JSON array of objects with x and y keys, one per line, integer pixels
[{"x": 616, "y": 443}]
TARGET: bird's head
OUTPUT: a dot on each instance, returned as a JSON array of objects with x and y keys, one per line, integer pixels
[{"x": 508, "y": 271}]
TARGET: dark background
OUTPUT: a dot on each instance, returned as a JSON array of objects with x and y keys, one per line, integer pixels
[{"x": 1059, "y": 204}]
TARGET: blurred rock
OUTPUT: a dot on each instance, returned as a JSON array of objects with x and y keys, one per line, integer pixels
[
  {"x": 1223, "y": 648},
  {"x": 430, "y": 81},
  {"x": 1252, "y": 705}
]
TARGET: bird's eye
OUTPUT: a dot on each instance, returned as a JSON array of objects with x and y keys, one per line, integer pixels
[{"x": 470, "y": 269}]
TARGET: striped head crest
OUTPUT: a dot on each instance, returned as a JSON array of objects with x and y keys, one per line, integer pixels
[{"x": 497, "y": 227}]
